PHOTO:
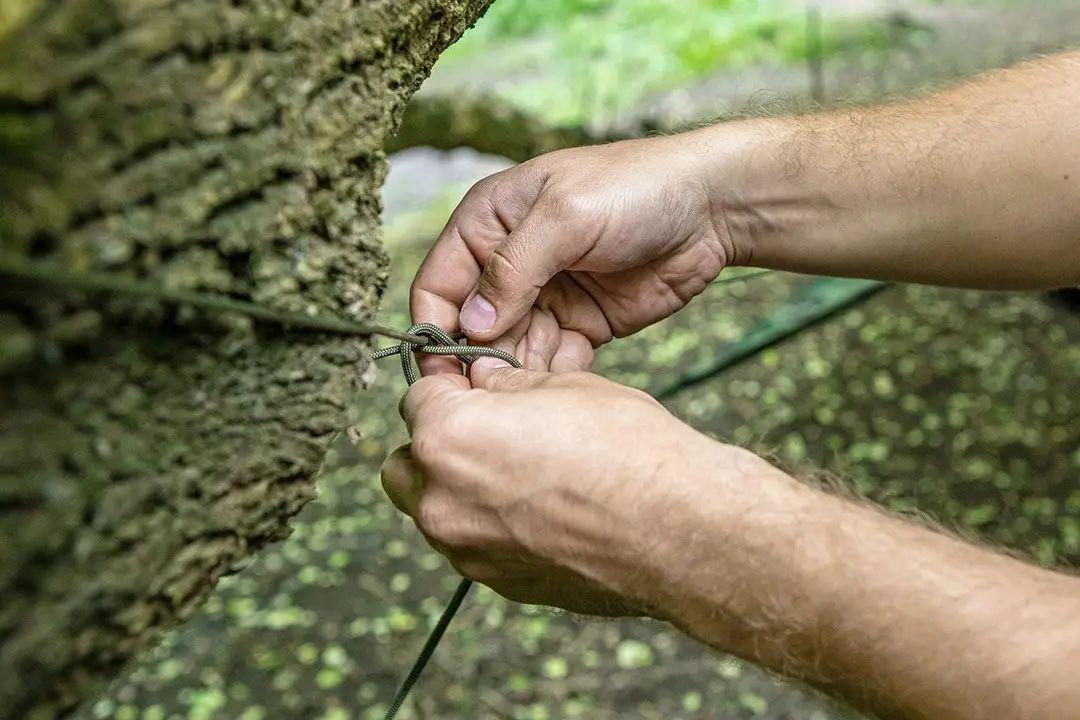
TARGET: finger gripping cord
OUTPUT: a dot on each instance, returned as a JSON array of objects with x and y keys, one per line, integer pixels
[{"x": 441, "y": 343}]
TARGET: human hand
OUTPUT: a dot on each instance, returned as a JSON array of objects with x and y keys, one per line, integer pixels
[
  {"x": 604, "y": 240},
  {"x": 547, "y": 488}
]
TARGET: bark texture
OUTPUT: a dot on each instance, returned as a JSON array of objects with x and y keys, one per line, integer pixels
[{"x": 207, "y": 145}]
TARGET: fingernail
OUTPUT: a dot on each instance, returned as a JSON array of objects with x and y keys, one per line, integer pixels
[
  {"x": 478, "y": 315},
  {"x": 489, "y": 363}
]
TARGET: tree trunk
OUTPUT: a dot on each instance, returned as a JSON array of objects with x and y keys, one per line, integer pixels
[{"x": 208, "y": 146}]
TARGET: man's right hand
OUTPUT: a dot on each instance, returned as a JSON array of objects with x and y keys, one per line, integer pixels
[{"x": 602, "y": 240}]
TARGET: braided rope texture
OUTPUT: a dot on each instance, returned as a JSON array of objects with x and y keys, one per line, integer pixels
[{"x": 442, "y": 343}]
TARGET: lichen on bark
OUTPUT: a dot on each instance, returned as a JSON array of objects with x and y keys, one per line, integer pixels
[{"x": 210, "y": 146}]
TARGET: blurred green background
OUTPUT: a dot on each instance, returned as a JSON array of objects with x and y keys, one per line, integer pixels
[
  {"x": 957, "y": 405},
  {"x": 590, "y": 60}
]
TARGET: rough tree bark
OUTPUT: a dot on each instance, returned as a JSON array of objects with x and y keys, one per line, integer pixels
[{"x": 213, "y": 146}]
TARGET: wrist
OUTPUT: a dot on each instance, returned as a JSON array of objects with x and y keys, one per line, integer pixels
[
  {"x": 735, "y": 571},
  {"x": 650, "y": 548},
  {"x": 740, "y": 167},
  {"x": 777, "y": 191}
]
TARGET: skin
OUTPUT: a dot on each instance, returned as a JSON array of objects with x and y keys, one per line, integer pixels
[{"x": 977, "y": 186}]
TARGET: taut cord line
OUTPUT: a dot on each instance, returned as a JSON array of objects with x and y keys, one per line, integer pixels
[
  {"x": 437, "y": 342},
  {"x": 43, "y": 272},
  {"x": 37, "y": 271}
]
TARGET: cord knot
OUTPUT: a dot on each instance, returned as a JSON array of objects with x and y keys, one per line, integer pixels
[{"x": 439, "y": 342}]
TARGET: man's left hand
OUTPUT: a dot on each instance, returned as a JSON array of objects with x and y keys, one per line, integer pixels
[{"x": 551, "y": 489}]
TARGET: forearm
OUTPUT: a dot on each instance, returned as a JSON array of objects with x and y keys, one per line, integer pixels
[
  {"x": 893, "y": 617},
  {"x": 975, "y": 186}
]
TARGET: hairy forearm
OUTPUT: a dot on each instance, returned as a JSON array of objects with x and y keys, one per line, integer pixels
[
  {"x": 893, "y": 617},
  {"x": 975, "y": 186}
]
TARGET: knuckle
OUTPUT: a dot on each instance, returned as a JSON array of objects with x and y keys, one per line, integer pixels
[
  {"x": 570, "y": 205},
  {"x": 441, "y": 517},
  {"x": 432, "y": 515},
  {"x": 512, "y": 196},
  {"x": 536, "y": 356},
  {"x": 541, "y": 335},
  {"x": 446, "y": 434},
  {"x": 468, "y": 420},
  {"x": 503, "y": 267},
  {"x": 480, "y": 189},
  {"x": 476, "y": 207},
  {"x": 428, "y": 444},
  {"x": 454, "y": 423}
]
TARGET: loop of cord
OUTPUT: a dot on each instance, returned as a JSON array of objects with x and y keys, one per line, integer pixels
[{"x": 441, "y": 343}]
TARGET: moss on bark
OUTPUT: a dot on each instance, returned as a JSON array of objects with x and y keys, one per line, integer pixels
[{"x": 210, "y": 146}]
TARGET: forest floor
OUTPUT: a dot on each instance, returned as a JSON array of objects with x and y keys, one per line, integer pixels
[{"x": 959, "y": 406}]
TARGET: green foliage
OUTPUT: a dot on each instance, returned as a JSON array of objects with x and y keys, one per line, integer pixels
[
  {"x": 571, "y": 61},
  {"x": 519, "y": 18},
  {"x": 14, "y": 13}
]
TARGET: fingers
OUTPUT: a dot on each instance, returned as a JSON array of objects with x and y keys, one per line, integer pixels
[
  {"x": 402, "y": 481},
  {"x": 441, "y": 284},
  {"x": 541, "y": 345},
  {"x": 452, "y": 266},
  {"x": 575, "y": 352},
  {"x": 541, "y": 341},
  {"x": 575, "y": 309},
  {"x": 548, "y": 347},
  {"x": 538, "y": 248},
  {"x": 431, "y": 394},
  {"x": 534, "y": 340},
  {"x": 507, "y": 379},
  {"x": 452, "y": 269}
]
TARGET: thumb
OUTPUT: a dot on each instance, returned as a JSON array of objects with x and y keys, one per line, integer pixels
[
  {"x": 505, "y": 378},
  {"x": 537, "y": 249}
]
